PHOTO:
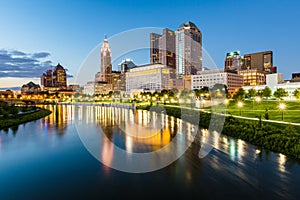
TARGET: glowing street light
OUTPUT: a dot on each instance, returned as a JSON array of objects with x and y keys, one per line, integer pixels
[
  {"x": 240, "y": 105},
  {"x": 282, "y": 107},
  {"x": 257, "y": 99},
  {"x": 226, "y": 102}
]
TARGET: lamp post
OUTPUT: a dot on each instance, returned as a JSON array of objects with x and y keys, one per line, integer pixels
[
  {"x": 282, "y": 107},
  {"x": 240, "y": 105}
]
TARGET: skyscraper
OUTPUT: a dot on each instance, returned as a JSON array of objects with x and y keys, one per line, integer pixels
[
  {"x": 163, "y": 48},
  {"x": 105, "y": 64},
  {"x": 60, "y": 77},
  {"x": 262, "y": 61},
  {"x": 233, "y": 61},
  {"x": 154, "y": 48},
  {"x": 54, "y": 79},
  {"x": 188, "y": 49}
]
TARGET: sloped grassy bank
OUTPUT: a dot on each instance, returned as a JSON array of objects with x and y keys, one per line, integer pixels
[
  {"x": 23, "y": 118},
  {"x": 279, "y": 138}
]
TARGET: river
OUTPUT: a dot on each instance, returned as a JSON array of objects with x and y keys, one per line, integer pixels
[{"x": 50, "y": 158}]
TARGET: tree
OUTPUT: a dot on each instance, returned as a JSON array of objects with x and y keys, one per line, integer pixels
[
  {"x": 297, "y": 94},
  {"x": 219, "y": 90},
  {"x": 239, "y": 95},
  {"x": 251, "y": 93},
  {"x": 280, "y": 93},
  {"x": 266, "y": 92},
  {"x": 184, "y": 93}
]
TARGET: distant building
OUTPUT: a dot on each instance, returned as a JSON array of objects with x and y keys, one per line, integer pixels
[
  {"x": 105, "y": 64},
  {"x": 148, "y": 77},
  {"x": 163, "y": 48},
  {"x": 154, "y": 48},
  {"x": 262, "y": 61},
  {"x": 209, "y": 78},
  {"x": 295, "y": 77},
  {"x": 253, "y": 77},
  {"x": 60, "y": 77},
  {"x": 56, "y": 79},
  {"x": 89, "y": 88},
  {"x": 30, "y": 88},
  {"x": 126, "y": 65},
  {"x": 74, "y": 88},
  {"x": 233, "y": 61},
  {"x": 177, "y": 83},
  {"x": 102, "y": 88},
  {"x": 188, "y": 49},
  {"x": 6, "y": 94},
  {"x": 115, "y": 80},
  {"x": 274, "y": 81}
]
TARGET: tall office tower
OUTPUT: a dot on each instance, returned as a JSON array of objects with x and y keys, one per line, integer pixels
[
  {"x": 154, "y": 48},
  {"x": 233, "y": 61},
  {"x": 47, "y": 78},
  {"x": 60, "y": 77},
  {"x": 262, "y": 61},
  {"x": 55, "y": 79},
  {"x": 168, "y": 48},
  {"x": 188, "y": 49},
  {"x": 105, "y": 74},
  {"x": 162, "y": 48}
]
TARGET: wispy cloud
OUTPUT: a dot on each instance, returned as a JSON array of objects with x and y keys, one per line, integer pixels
[{"x": 19, "y": 64}]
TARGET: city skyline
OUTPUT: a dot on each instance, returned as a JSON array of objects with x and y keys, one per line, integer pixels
[{"x": 45, "y": 31}]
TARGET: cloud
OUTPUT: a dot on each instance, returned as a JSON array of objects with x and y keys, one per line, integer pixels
[
  {"x": 19, "y": 64},
  {"x": 41, "y": 55}
]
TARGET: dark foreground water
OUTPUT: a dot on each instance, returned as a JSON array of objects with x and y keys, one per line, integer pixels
[{"x": 46, "y": 159}]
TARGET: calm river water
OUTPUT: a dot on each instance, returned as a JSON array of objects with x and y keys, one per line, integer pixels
[{"x": 46, "y": 159}]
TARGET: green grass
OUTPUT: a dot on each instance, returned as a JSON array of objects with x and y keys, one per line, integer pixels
[
  {"x": 250, "y": 109},
  {"x": 20, "y": 119},
  {"x": 281, "y": 138}
]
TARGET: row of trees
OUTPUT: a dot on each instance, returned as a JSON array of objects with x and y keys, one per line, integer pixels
[{"x": 280, "y": 93}]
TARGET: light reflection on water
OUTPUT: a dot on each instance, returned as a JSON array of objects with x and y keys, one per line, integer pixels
[{"x": 231, "y": 159}]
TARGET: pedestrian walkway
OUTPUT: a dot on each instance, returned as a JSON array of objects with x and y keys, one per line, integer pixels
[{"x": 235, "y": 116}]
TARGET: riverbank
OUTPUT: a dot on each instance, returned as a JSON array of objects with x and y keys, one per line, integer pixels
[
  {"x": 280, "y": 138},
  {"x": 23, "y": 118}
]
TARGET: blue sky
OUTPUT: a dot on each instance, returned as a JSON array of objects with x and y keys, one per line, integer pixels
[{"x": 69, "y": 30}]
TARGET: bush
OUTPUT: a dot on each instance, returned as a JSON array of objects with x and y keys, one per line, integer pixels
[{"x": 275, "y": 137}]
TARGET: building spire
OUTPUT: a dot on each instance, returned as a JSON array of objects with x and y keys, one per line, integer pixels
[{"x": 105, "y": 36}]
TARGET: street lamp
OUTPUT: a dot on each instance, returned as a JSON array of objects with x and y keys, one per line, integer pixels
[
  {"x": 282, "y": 107},
  {"x": 240, "y": 105}
]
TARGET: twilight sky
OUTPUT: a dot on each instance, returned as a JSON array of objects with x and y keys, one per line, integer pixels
[{"x": 37, "y": 34}]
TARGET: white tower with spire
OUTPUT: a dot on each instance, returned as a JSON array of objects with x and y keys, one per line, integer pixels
[{"x": 105, "y": 63}]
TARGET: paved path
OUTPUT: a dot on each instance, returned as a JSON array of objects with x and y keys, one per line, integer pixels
[{"x": 236, "y": 116}]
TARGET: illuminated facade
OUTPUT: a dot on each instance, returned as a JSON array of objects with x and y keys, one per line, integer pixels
[
  {"x": 209, "y": 78},
  {"x": 105, "y": 65},
  {"x": 262, "y": 61},
  {"x": 162, "y": 48},
  {"x": 54, "y": 80},
  {"x": 126, "y": 65},
  {"x": 30, "y": 88},
  {"x": 176, "y": 83},
  {"x": 188, "y": 49},
  {"x": 274, "y": 81},
  {"x": 233, "y": 61},
  {"x": 148, "y": 77},
  {"x": 253, "y": 77}
]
